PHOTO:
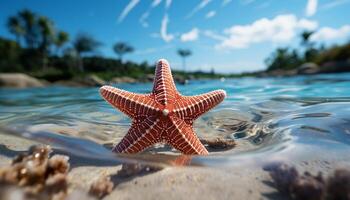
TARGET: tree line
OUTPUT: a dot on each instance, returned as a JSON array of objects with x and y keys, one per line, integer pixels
[
  {"x": 43, "y": 50},
  {"x": 287, "y": 58}
]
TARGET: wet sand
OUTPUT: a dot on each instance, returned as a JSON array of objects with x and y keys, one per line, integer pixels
[{"x": 234, "y": 182}]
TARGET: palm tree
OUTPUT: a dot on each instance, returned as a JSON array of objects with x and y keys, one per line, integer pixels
[
  {"x": 305, "y": 38},
  {"x": 60, "y": 39},
  {"x": 29, "y": 19},
  {"x": 122, "y": 48},
  {"x": 84, "y": 43},
  {"x": 46, "y": 30},
  {"x": 310, "y": 51},
  {"x": 184, "y": 53},
  {"x": 15, "y": 27}
]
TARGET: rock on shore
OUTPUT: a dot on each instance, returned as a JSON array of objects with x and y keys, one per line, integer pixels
[
  {"x": 86, "y": 81},
  {"x": 308, "y": 68},
  {"x": 19, "y": 80},
  {"x": 123, "y": 79}
]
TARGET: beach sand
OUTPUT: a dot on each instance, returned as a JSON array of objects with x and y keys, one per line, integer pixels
[{"x": 234, "y": 182}]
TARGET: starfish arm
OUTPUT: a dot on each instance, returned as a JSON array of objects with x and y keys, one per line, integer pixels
[
  {"x": 191, "y": 107},
  {"x": 129, "y": 103},
  {"x": 182, "y": 137},
  {"x": 164, "y": 87},
  {"x": 142, "y": 134}
]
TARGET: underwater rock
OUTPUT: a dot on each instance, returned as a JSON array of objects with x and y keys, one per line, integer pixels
[
  {"x": 129, "y": 170},
  {"x": 219, "y": 144},
  {"x": 308, "y": 187},
  {"x": 339, "y": 185},
  {"x": 288, "y": 181},
  {"x": 282, "y": 175}
]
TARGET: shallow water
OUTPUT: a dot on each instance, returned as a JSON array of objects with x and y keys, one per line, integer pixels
[{"x": 297, "y": 119}]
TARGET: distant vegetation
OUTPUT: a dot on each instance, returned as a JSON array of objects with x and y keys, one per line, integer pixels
[
  {"x": 121, "y": 48},
  {"x": 43, "y": 50},
  {"x": 331, "y": 59},
  {"x": 184, "y": 53}
]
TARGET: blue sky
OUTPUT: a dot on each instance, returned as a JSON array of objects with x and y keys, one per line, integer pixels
[{"x": 227, "y": 35}]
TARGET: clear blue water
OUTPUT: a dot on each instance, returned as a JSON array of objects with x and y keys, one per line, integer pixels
[{"x": 296, "y": 118}]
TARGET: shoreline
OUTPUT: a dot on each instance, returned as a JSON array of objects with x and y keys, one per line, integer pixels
[{"x": 22, "y": 80}]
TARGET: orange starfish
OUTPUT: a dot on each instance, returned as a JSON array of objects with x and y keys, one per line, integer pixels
[{"x": 162, "y": 116}]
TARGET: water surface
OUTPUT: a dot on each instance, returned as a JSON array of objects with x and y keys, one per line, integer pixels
[{"x": 296, "y": 118}]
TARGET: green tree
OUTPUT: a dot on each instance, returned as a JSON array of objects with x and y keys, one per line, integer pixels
[
  {"x": 84, "y": 43},
  {"x": 29, "y": 21},
  {"x": 184, "y": 53},
  {"x": 9, "y": 56},
  {"x": 61, "y": 39},
  {"x": 122, "y": 48},
  {"x": 310, "y": 52},
  {"x": 15, "y": 27},
  {"x": 46, "y": 30},
  {"x": 305, "y": 39},
  {"x": 283, "y": 59}
]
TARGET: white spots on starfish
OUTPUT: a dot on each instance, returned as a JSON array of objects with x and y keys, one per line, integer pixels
[
  {"x": 192, "y": 107},
  {"x": 134, "y": 145},
  {"x": 165, "y": 112},
  {"x": 164, "y": 86},
  {"x": 150, "y": 113},
  {"x": 128, "y": 102},
  {"x": 182, "y": 140}
]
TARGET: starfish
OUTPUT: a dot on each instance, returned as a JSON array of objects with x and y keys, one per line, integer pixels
[{"x": 163, "y": 116}]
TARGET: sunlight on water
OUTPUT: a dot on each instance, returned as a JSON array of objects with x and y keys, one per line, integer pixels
[{"x": 281, "y": 118}]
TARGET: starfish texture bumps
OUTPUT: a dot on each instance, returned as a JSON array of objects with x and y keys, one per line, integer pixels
[{"x": 163, "y": 115}]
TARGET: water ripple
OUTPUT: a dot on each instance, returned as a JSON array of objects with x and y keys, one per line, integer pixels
[{"x": 265, "y": 116}]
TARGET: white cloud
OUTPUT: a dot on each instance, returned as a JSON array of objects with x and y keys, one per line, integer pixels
[
  {"x": 155, "y": 3},
  {"x": 213, "y": 35},
  {"x": 168, "y": 4},
  {"x": 199, "y": 7},
  {"x": 163, "y": 30},
  {"x": 329, "y": 34},
  {"x": 334, "y": 3},
  {"x": 190, "y": 36},
  {"x": 210, "y": 14},
  {"x": 282, "y": 28},
  {"x": 307, "y": 24},
  {"x": 144, "y": 16},
  {"x": 311, "y": 8},
  {"x": 127, "y": 9}
]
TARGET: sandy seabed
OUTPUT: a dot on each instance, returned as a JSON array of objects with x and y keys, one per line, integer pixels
[{"x": 234, "y": 182}]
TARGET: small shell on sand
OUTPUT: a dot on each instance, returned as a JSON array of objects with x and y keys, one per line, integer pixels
[{"x": 101, "y": 187}]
